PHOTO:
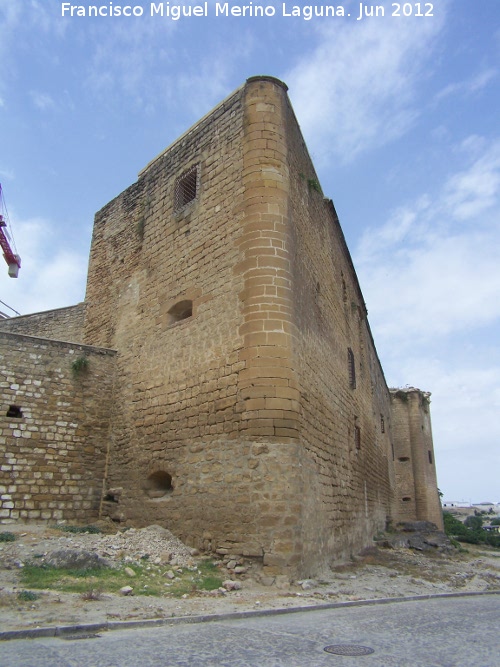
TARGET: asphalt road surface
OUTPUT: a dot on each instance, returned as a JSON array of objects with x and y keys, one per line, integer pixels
[{"x": 440, "y": 632}]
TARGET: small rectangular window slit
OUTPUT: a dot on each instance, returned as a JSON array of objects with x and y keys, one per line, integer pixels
[
  {"x": 357, "y": 437},
  {"x": 351, "y": 368}
]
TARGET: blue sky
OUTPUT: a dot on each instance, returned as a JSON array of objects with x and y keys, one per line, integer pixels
[{"x": 401, "y": 118}]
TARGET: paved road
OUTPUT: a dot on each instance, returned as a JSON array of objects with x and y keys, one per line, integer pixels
[{"x": 445, "y": 632}]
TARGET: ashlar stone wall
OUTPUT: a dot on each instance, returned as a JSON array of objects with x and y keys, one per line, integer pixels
[
  {"x": 177, "y": 455},
  {"x": 345, "y": 417},
  {"x": 246, "y": 409},
  {"x": 240, "y": 323},
  {"x": 416, "y": 492},
  {"x": 54, "y": 428}
]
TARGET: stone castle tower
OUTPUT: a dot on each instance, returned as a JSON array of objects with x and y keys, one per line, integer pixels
[{"x": 237, "y": 392}]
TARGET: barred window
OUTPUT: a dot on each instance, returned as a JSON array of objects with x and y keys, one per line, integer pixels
[
  {"x": 186, "y": 188},
  {"x": 351, "y": 368}
]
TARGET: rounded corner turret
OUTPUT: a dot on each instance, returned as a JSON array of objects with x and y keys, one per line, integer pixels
[{"x": 271, "y": 79}]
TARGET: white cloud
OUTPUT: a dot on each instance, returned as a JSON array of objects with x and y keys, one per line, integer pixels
[
  {"x": 51, "y": 275},
  {"x": 466, "y": 429},
  {"x": 431, "y": 281},
  {"x": 470, "y": 86},
  {"x": 356, "y": 91},
  {"x": 42, "y": 101},
  {"x": 432, "y": 269},
  {"x": 470, "y": 192},
  {"x": 19, "y": 21},
  {"x": 147, "y": 63}
]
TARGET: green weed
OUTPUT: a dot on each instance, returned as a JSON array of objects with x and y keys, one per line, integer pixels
[
  {"x": 7, "y": 537},
  {"x": 148, "y": 579},
  {"x": 80, "y": 366},
  {"x": 27, "y": 596},
  {"x": 79, "y": 529}
]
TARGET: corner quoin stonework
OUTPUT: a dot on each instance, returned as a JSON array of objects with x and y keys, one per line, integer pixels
[{"x": 250, "y": 413}]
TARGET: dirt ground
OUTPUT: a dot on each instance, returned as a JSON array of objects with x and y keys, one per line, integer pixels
[{"x": 380, "y": 573}]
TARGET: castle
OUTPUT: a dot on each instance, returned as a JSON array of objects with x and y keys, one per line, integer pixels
[{"x": 220, "y": 377}]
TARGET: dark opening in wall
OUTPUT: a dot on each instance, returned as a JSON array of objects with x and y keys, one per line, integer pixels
[
  {"x": 403, "y": 458},
  {"x": 429, "y": 453},
  {"x": 382, "y": 424},
  {"x": 180, "y": 311},
  {"x": 344, "y": 290},
  {"x": 186, "y": 188},
  {"x": 351, "y": 368},
  {"x": 158, "y": 484},
  {"x": 357, "y": 437},
  {"x": 15, "y": 412},
  {"x": 406, "y": 499}
]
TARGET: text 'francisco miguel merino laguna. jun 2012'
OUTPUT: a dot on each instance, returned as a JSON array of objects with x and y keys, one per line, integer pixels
[{"x": 174, "y": 12}]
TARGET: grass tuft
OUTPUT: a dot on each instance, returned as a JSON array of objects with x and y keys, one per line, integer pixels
[
  {"x": 94, "y": 530},
  {"x": 149, "y": 579},
  {"x": 5, "y": 536},
  {"x": 27, "y": 596}
]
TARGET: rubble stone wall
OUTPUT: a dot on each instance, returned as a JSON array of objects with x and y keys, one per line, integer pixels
[
  {"x": 54, "y": 428},
  {"x": 61, "y": 324}
]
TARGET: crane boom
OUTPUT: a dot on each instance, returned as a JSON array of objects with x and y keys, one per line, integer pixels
[{"x": 13, "y": 260}]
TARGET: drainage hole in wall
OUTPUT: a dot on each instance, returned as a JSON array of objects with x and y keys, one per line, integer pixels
[
  {"x": 158, "y": 484},
  {"x": 15, "y": 412}
]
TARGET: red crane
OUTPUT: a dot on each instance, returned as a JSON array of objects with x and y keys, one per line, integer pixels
[{"x": 13, "y": 260}]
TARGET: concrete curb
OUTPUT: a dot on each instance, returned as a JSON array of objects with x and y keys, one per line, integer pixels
[{"x": 66, "y": 631}]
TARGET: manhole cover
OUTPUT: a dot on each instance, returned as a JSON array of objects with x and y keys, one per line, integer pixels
[{"x": 348, "y": 649}]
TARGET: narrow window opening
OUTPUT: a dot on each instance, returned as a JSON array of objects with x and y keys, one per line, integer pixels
[
  {"x": 429, "y": 453},
  {"x": 158, "y": 484},
  {"x": 186, "y": 188},
  {"x": 382, "y": 424},
  {"x": 406, "y": 499},
  {"x": 404, "y": 458},
  {"x": 392, "y": 448},
  {"x": 180, "y": 311},
  {"x": 357, "y": 437},
  {"x": 15, "y": 412},
  {"x": 351, "y": 368}
]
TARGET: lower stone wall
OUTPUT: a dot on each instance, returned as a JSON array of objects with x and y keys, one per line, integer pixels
[
  {"x": 60, "y": 324},
  {"x": 239, "y": 498},
  {"x": 55, "y": 402}
]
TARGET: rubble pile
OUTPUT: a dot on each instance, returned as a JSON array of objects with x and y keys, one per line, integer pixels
[{"x": 153, "y": 543}]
